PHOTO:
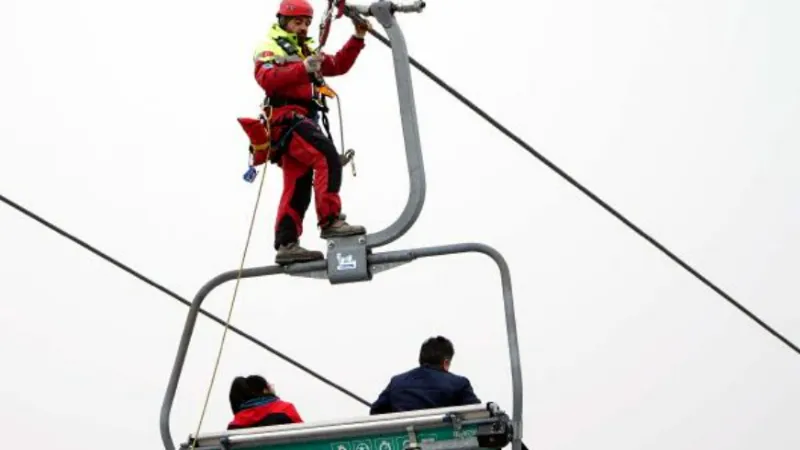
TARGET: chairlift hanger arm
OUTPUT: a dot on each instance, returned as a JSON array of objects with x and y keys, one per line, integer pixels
[
  {"x": 366, "y": 10},
  {"x": 384, "y": 11},
  {"x": 376, "y": 261}
]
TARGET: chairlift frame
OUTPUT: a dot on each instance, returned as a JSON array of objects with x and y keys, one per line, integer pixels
[{"x": 351, "y": 259}]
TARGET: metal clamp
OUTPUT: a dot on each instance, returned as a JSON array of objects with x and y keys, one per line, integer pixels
[
  {"x": 413, "y": 443},
  {"x": 347, "y": 260},
  {"x": 456, "y": 420},
  {"x": 494, "y": 409},
  {"x": 393, "y": 7}
]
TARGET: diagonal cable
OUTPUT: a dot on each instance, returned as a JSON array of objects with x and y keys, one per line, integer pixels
[
  {"x": 590, "y": 194},
  {"x": 177, "y": 297}
]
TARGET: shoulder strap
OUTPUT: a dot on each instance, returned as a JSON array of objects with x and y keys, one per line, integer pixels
[
  {"x": 276, "y": 51},
  {"x": 286, "y": 46}
]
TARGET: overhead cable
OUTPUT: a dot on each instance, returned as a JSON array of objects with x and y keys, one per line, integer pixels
[{"x": 590, "y": 194}]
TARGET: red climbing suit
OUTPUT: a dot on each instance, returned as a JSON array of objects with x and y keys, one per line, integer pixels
[{"x": 291, "y": 92}]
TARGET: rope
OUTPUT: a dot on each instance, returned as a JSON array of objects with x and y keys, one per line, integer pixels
[
  {"x": 233, "y": 299},
  {"x": 341, "y": 135}
]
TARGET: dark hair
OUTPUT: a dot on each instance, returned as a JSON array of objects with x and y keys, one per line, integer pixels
[
  {"x": 435, "y": 351},
  {"x": 245, "y": 389},
  {"x": 282, "y": 21}
]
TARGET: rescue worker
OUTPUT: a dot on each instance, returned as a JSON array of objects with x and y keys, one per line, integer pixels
[
  {"x": 255, "y": 404},
  {"x": 431, "y": 385},
  {"x": 285, "y": 68}
]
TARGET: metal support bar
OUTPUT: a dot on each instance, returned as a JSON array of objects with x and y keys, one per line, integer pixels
[
  {"x": 471, "y": 413},
  {"x": 508, "y": 304},
  {"x": 385, "y": 259},
  {"x": 384, "y": 11},
  {"x": 396, "y": 424},
  {"x": 412, "y": 439}
]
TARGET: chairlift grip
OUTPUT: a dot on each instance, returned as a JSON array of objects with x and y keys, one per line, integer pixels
[{"x": 366, "y": 10}]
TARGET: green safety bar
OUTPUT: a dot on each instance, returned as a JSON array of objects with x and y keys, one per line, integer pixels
[{"x": 471, "y": 427}]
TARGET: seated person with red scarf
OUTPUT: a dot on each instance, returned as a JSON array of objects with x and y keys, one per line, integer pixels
[{"x": 255, "y": 404}]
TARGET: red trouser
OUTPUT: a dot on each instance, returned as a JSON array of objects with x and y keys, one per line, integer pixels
[{"x": 309, "y": 158}]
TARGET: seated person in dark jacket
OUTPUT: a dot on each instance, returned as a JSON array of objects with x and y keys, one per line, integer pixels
[
  {"x": 255, "y": 404},
  {"x": 431, "y": 385}
]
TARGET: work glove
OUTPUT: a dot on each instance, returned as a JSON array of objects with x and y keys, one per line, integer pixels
[
  {"x": 361, "y": 25},
  {"x": 313, "y": 63}
]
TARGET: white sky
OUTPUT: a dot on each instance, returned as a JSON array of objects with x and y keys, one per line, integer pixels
[{"x": 118, "y": 123}]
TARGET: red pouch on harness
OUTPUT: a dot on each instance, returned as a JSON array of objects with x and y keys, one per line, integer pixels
[{"x": 259, "y": 139}]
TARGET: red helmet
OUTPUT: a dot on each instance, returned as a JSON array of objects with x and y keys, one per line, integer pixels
[{"x": 296, "y": 8}]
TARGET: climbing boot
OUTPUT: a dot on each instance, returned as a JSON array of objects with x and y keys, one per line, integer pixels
[
  {"x": 338, "y": 227},
  {"x": 294, "y": 253}
]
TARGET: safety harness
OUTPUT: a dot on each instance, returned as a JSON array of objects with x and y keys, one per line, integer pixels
[
  {"x": 315, "y": 107},
  {"x": 262, "y": 146}
]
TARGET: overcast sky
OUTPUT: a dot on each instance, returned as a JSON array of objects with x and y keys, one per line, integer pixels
[{"x": 118, "y": 123}]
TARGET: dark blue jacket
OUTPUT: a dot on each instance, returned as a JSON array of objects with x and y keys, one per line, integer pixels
[{"x": 423, "y": 388}]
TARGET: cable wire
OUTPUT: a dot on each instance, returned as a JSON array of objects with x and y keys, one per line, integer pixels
[
  {"x": 177, "y": 297},
  {"x": 590, "y": 194}
]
